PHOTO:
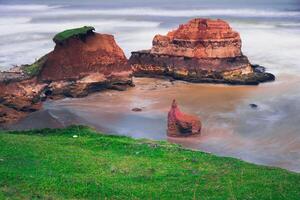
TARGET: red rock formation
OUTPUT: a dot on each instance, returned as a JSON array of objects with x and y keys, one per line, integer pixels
[
  {"x": 75, "y": 68},
  {"x": 19, "y": 98},
  {"x": 202, "y": 50},
  {"x": 75, "y": 58},
  {"x": 200, "y": 38},
  {"x": 181, "y": 124}
]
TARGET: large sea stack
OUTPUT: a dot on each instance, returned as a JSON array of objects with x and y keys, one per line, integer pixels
[
  {"x": 203, "y": 50},
  {"x": 82, "y": 62}
]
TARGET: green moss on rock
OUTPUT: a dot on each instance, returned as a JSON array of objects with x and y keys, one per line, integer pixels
[
  {"x": 35, "y": 68},
  {"x": 76, "y": 32}
]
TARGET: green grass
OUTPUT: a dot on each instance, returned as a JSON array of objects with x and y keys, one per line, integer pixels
[
  {"x": 35, "y": 68},
  {"x": 76, "y": 32},
  {"x": 51, "y": 164}
]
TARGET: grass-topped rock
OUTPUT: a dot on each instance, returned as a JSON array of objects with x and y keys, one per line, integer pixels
[
  {"x": 80, "y": 163},
  {"x": 70, "y": 33}
]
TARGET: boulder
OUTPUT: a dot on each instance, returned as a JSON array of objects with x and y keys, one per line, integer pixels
[
  {"x": 253, "y": 105},
  {"x": 136, "y": 109},
  {"x": 181, "y": 124},
  {"x": 203, "y": 50}
]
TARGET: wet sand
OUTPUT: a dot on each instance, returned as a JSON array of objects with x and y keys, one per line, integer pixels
[{"x": 267, "y": 135}]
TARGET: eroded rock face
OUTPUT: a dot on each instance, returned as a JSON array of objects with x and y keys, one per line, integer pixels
[
  {"x": 18, "y": 98},
  {"x": 181, "y": 124},
  {"x": 200, "y": 38},
  {"x": 202, "y": 50},
  {"x": 75, "y": 68},
  {"x": 75, "y": 59}
]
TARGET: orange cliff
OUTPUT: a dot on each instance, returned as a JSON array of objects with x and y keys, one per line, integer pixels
[
  {"x": 203, "y": 50},
  {"x": 200, "y": 38},
  {"x": 76, "y": 67},
  {"x": 75, "y": 59}
]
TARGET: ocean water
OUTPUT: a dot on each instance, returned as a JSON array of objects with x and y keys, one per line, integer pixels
[
  {"x": 27, "y": 27},
  {"x": 270, "y": 31}
]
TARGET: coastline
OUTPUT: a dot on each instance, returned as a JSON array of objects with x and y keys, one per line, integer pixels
[
  {"x": 91, "y": 119},
  {"x": 230, "y": 126}
]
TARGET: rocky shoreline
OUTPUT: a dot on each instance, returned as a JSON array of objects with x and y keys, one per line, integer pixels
[
  {"x": 76, "y": 67},
  {"x": 83, "y": 62}
]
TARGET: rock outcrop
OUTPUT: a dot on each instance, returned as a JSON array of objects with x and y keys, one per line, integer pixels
[
  {"x": 181, "y": 124},
  {"x": 202, "y": 50},
  {"x": 78, "y": 65},
  {"x": 76, "y": 59}
]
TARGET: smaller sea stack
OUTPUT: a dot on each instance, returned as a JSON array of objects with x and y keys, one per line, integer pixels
[
  {"x": 203, "y": 50},
  {"x": 181, "y": 124}
]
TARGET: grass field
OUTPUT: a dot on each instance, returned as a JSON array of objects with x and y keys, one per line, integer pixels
[{"x": 53, "y": 164}]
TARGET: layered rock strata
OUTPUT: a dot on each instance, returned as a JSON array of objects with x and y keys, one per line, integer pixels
[
  {"x": 181, "y": 124},
  {"x": 76, "y": 67},
  {"x": 202, "y": 50}
]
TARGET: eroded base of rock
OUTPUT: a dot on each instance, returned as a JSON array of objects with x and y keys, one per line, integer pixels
[{"x": 235, "y": 71}]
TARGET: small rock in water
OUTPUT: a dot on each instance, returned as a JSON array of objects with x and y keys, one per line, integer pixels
[
  {"x": 252, "y": 105},
  {"x": 181, "y": 124},
  {"x": 136, "y": 109},
  {"x": 259, "y": 69}
]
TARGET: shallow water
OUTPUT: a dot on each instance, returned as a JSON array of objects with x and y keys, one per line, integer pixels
[
  {"x": 267, "y": 135},
  {"x": 270, "y": 32}
]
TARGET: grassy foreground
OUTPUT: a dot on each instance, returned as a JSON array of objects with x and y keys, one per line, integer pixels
[{"x": 52, "y": 164}]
